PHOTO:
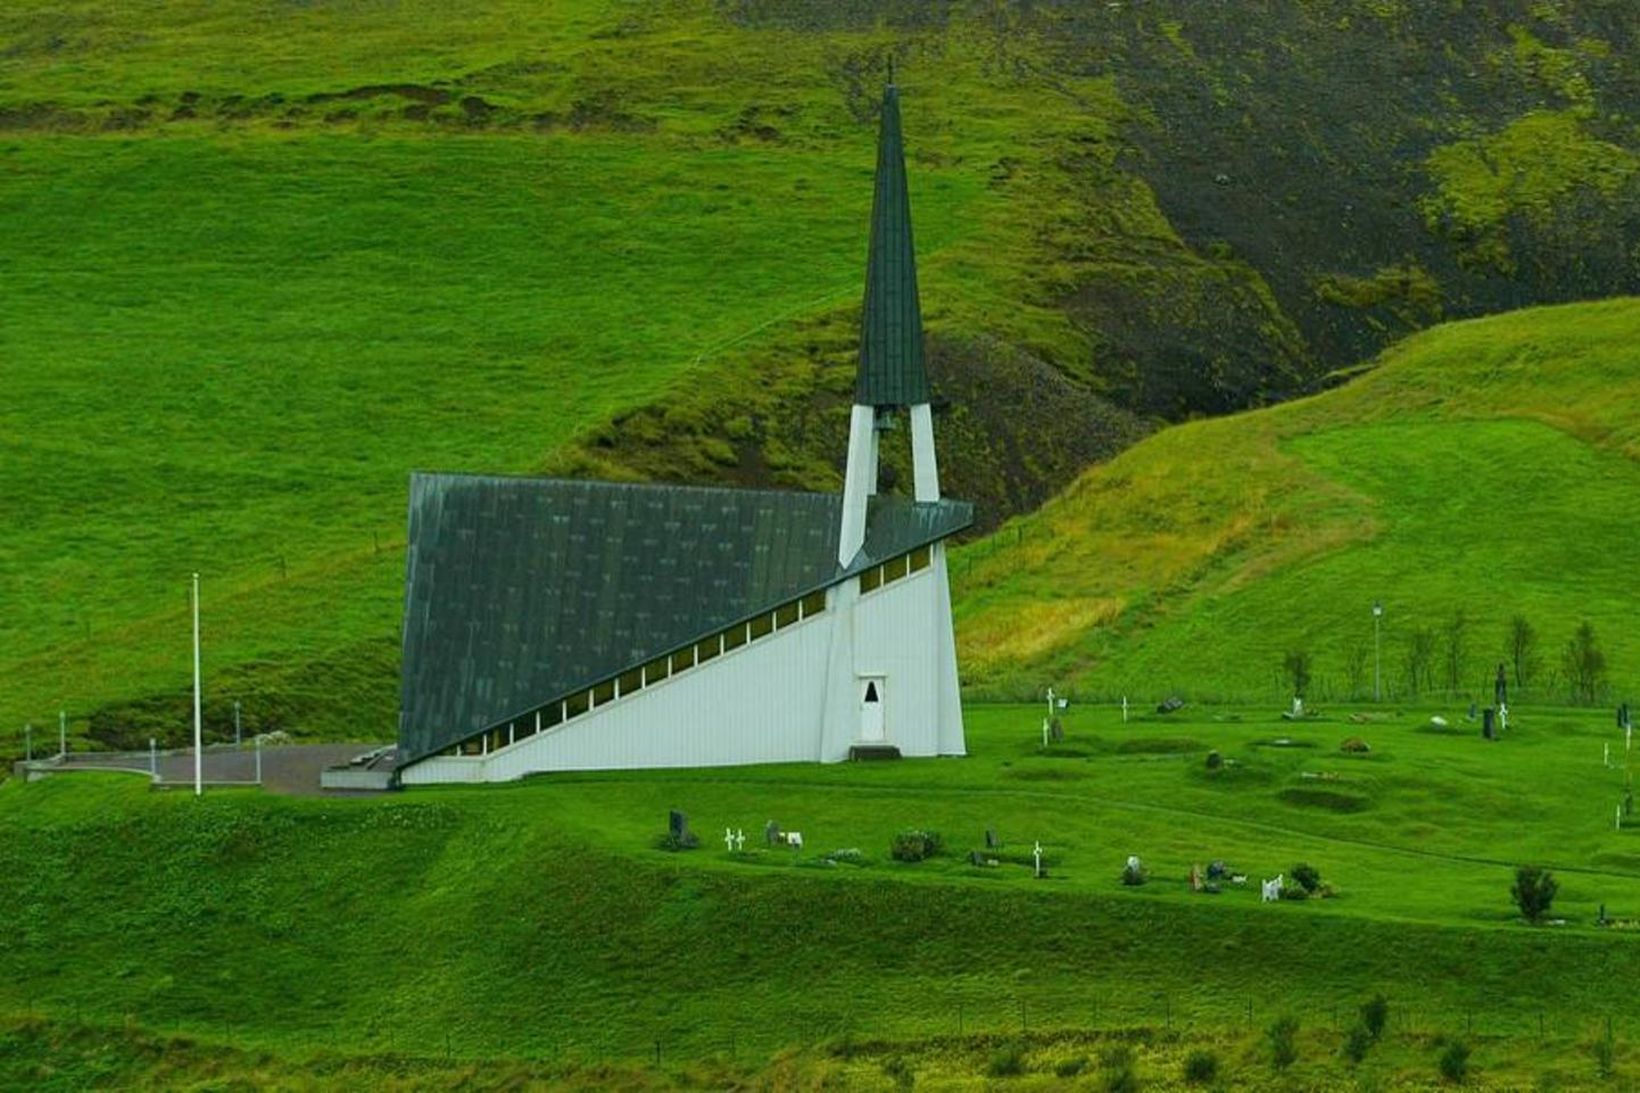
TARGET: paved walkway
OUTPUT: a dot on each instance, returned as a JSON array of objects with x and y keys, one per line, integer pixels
[{"x": 288, "y": 769}]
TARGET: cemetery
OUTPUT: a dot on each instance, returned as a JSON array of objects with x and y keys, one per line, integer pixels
[{"x": 1395, "y": 894}]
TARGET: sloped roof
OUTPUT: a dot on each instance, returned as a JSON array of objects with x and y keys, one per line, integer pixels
[
  {"x": 891, "y": 334},
  {"x": 522, "y": 590}
]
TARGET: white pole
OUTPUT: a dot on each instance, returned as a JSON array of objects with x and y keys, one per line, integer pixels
[
  {"x": 62, "y": 734},
  {"x": 238, "y": 737},
  {"x": 199, "y": 731},
  {"x": 258, "y": 758},
  {"x": 153, "y": 757}
]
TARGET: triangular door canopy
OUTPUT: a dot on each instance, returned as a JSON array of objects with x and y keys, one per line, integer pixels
[{"x": 871, "y": 691}]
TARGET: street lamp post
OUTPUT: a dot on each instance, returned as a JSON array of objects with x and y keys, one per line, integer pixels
[{"x": 1377, "y": 675}]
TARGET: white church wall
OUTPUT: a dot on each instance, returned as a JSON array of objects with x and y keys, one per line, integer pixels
[
  {"x": 897, "y": 636},
  {"x": 760, "y": 703}
]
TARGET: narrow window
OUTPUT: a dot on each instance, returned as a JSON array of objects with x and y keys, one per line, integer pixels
[
  {"x": 551, "y": 715},
  {"x": 871, "y": 579},
  {"x": 894, "y": 568},
  {"x": 762, "y": 625},
  {"x": 474, "y": 746},
  {"x": 498, "y": 739},
  {"x": 683, "y": 658},
  {"x": 603, "y": 692},
  {"x": 707, "y": 648},
  {"x": 576, "y": 704},
  {"x": 631, "y": 681},
  {"x": 921, "y": 557},
  {"x": 814, "y": 603},
  {"x": 786, "y": 614},
  {"x": 734, "y": 638},
  {"x": 656, "y": 670}
]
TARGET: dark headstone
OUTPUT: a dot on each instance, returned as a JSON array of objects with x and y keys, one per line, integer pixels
[
  {"x": 1474, "y": 711},
  {"x": 1489, "y": 723},
  {"x": 1056, "y": 730},
  {"x": 677, "y": 824},
  {"x": 771, "y": 833},
  {"x": 991, "y": 840},
  {"x": 1217, "y": 869},
  {"x": 1169, "y": 704}
]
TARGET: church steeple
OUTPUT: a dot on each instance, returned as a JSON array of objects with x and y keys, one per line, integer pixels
[
  {"x": 892, "y": 375},
  {"x": 891, "y": 346}
]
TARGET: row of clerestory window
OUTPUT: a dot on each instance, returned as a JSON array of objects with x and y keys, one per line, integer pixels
[
  {"x": 554, "y": 714},
  {"x": 895, "y": 568}
]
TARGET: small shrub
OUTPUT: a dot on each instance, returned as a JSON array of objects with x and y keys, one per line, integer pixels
[
  {"x": 687, "y": 841},
  {"x": 1201, "y": 1067},
  {"x": 1534, "y": 891},
  {"x": 1215, "y": 761},
  {"x": 1354, "y": 745},
  {"x": 1070, "y": 1068},
  {"x": 898, "y": 1071},
  {"x": 915, "y": 845},
  {"x": 1294, "y": 892},
  {"x": 1119, "y": 1072},
  {"x": 1134, "y": 873},
  {"x": 1454, "y": 1061},
  {"x": 1307, "y": 875},
  {"x": 1375, "y": 1015},
  {"x": 1357, "y": 1042},
  {"x": 1283, "y": 1037},
  {"x": 1006, "y": 1062},
  {"x": 1605, "y": 1056}
]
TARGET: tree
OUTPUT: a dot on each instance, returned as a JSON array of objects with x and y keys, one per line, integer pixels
[
  {"x": 1584, "y": 664},
  {"x": 1297, "y": 667},
  {"x": 1356, "y": 656},
  {"x": 1457, "y": 630},
  {"x": 1420, "y": 660},
  {"x": 1534, "y": 891},
  {"x": 1523, "y": 649}
]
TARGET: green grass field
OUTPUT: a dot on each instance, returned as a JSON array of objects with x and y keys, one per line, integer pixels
[
  {"x": 1487, "y": 467},
  {"x": 538, "y": 923}
]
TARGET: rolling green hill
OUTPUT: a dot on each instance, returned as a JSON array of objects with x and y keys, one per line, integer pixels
[
  {"x": 537, "y": 925},
  {"x": 1489, "y": 467},
  {"x": 261, "y": 264}
]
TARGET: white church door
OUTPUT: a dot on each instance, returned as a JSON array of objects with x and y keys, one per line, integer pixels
[{"x": 871, "y": 709}]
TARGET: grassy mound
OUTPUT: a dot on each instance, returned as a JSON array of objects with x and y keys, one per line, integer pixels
[
  {"x": 538, "y": 923},
  {"x": 1484, "y": 470}
]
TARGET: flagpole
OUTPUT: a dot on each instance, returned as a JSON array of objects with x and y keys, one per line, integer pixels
[{"x": 199, "y": 735}]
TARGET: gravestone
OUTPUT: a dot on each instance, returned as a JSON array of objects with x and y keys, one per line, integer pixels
[
  {"x": 1056, "y": 730},
  {"x": 991, "y": 840},
  {"x": 677, "y": 825},
  {"x": 1170, "y": 704},
  {"x": 729, "y": 839},
  {"x": 1474, "y": 711},
  {"x": 1040, "y": 872},
  {"x": 771, "y": 834},
  {"x": 740, "y": 839},
  {"x": 1489, "y": 718},
  {"x": 1217, "y": 869}
]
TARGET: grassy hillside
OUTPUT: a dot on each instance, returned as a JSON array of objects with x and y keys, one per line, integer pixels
[
  {"x": 1489, "y": 467},
  {"x": 537, "y": 923},
  {"x": 262, "y": 265}
]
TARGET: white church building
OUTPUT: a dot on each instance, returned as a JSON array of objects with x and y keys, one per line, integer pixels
[{"x": 568, "y": 625}]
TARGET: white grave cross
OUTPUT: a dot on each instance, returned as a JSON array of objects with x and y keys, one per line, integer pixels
[
  {"x": 1037, "y": 853},
  {"x": 740, "y": 839},
  {"x": 1124, "y": 709},
  {"x": 728, "y": 839}
]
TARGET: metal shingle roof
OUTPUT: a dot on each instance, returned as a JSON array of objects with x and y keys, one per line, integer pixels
[
  {"x": 891, "y": 334},
  {"x": 521, "y": 590}
]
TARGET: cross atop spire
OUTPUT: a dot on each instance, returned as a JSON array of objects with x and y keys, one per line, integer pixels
[{"x": 891, "y": 345}]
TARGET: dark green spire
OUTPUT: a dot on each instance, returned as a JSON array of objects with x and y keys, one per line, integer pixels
[{"x": 891, "y": 336}]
